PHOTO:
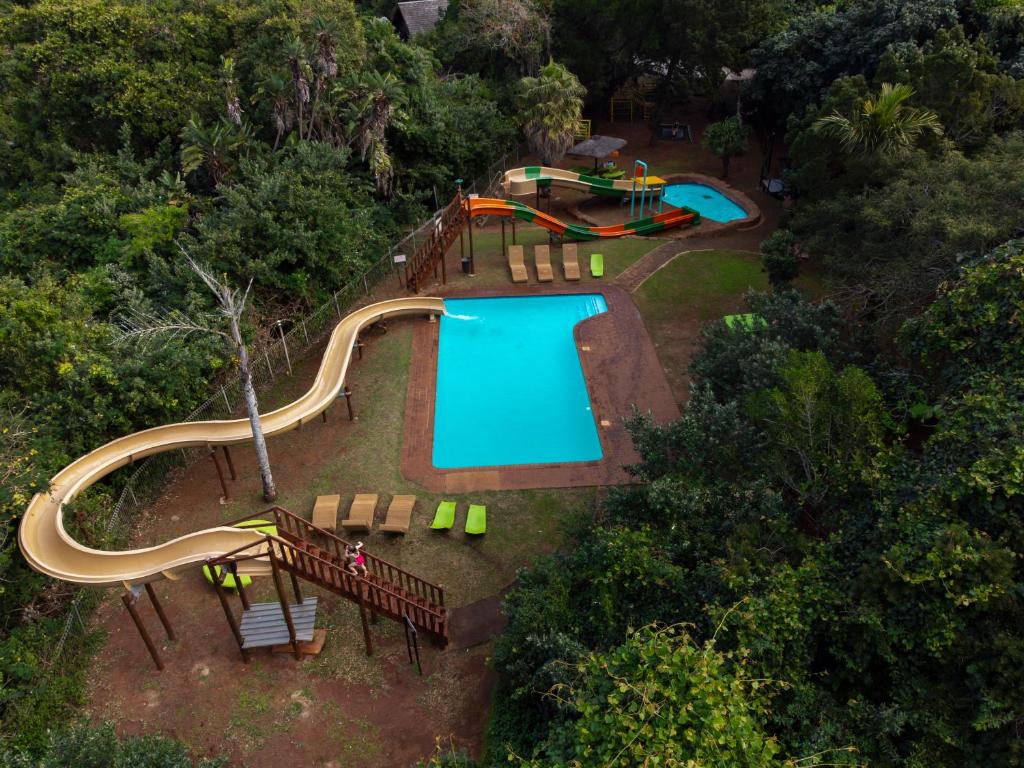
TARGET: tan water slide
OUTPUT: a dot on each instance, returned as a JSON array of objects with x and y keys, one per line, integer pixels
[
  {"x": 524, "y": 181},
  {"x": 50, "y": 550}
]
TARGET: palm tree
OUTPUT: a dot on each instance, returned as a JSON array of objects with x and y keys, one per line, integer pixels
[
  {"x": 885, "y": 125},
  {"x": 276, "y": 89},
  {"x": 553, "y": 103},
  {"x": 375, "y": 102},
  {"x": 213, "y": 148},
  {"x": 298, "y": 66},
  {"x": 144, "y": 326}
]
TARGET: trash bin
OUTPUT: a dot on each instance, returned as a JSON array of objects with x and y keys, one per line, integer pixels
[{"x": 465, "y": 265}]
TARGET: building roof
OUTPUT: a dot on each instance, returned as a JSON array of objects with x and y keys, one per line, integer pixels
[{"x": 420, "y": 15}]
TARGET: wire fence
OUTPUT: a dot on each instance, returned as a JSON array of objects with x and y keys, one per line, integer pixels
[{"x": 267, "y": 363}]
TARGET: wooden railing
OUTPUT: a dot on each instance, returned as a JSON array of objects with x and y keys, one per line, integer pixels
[
  {"x": 303, "y": 530},
  {"x": 386, "y": 589},
  {"x": 429, "y": 254}
]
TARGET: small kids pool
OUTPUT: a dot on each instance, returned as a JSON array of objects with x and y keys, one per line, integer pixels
[
  {"x": 707, "y": 201},
  {"x": 510, "y": 387}
]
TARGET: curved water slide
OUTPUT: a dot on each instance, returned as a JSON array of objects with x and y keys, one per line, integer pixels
[
  {"x": 525, "y": 181},
  {"x": 489, "y": 206},
  {"x": 48, "y": 547}
]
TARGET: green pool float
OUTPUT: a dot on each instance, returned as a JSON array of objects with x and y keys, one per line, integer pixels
[{"x": 263, "y": 526}]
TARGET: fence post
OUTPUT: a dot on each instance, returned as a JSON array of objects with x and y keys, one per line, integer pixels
[
  {"x": 227, "y": 402},
  {"x": 284, "y": 343},
  {"x": 338, "y": 308}
]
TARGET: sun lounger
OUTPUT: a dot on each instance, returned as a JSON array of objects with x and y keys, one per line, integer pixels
[
  {"x": 476, "y": 520},
  {"x": 570, "y": 261},
  {"x": 517, "y": 264},
  {"x": 597, "y": 264},
  {"x": 325, "y": 512},
  {"x": 399, "y": 514},
  {"x": 542, "y": 257},
  {"x": 444, "y": 518},
  {"x": 360, "y": 514}
]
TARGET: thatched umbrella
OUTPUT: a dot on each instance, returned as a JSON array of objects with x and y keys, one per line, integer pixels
[{"x": 597, "y": 147}]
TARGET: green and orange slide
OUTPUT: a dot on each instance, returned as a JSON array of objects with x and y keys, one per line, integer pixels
[
  {"x": 526, "y": 181},
  {"x": 489, "y": 206}
]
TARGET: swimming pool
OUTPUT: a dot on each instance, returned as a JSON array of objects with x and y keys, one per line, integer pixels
[
  {"x": 510, "y": 388},
  {"x": 707, "y": 201}
]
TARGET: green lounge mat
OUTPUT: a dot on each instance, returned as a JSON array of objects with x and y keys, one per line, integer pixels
[
  {"x": 476, "y": 520},
  {"x": 229, "y": 580},
  {"x": 263, "y": 526},
  {"x": 746, "y": 322},
  {"x": 445, "y": 516},
  {"x": 597, "y": 264}
]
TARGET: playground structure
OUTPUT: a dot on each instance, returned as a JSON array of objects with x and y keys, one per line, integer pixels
[
  {"x": 532, "y": 178},
  {"x": 428, "y": 259},
  {"x": 49, "y": 549}
]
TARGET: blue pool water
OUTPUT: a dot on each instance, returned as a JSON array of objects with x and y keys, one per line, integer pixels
[
  {"x": 510, "y": 388},
  {"x": 707, "y": 201}
]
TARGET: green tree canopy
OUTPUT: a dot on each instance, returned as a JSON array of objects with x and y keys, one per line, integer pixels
[{"x": 551, "y": 104}]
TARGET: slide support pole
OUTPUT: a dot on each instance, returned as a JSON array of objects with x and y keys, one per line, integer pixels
[
  {"x": 220, "y": 474},
  {"x": 231, "y": 464},
  {"x": 129, "y": 602},
  {"x": 160, "y": 611}
]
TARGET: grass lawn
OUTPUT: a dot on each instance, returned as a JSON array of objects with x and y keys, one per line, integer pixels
[
  {"x": 690, "y": 290},
  {"x": 492, "y": 266},
  {"x": 368, "y": 460}
]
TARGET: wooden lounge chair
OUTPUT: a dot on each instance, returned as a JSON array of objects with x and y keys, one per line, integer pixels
[
  {"x": 399, "y": 514},
  {"x": 570, "y": 261},
  {"x": 444, "y": 518},
  {"x": 542, "y": 257},
  {"x": 325, "y": 512},
  {"x": 476, "y": 519},
  {"x": 517, "y": 264},
  {"x": 597, "y": 264},
  {"x": 360, "y": 514}
]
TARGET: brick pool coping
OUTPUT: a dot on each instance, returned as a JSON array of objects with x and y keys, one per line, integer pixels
[
  {"x": 620, "y": 367},
  {"x": 706, "y": 228}
]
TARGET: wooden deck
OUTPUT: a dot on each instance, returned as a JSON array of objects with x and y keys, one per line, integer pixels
[{"x": 263, "y": 624}]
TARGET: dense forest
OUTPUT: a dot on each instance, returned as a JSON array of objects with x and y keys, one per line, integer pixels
[
  {"x": 823, "y": 560},
  {"x": 287, "y": 142}
]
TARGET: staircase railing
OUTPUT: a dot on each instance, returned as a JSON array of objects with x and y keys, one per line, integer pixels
[
  {"x": 387, "y": 588},
  {"x": 429, "y": 254},
  {"x": 302, "y": 529}
]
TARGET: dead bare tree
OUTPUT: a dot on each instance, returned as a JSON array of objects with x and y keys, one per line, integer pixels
[{"x": 147, "y": 326}]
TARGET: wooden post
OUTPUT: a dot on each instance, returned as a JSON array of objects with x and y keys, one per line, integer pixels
[
  {"x": 231, "y": 464},
  {"x": 359, "y": 347},
  {"x": 323, "y": 415},
  {"x": 472, "y": 265},
  {"x": 361, "y": 585},
  {"x": 503, "y": 238},
  {"x": 347, "y": 394},
  {"x": 282, "y": 598},
  {"x": 129, "y": 602},
  {"x": 219, "y": 589},
  {"x": 160, "y": 611},
  {"x": 513, "y": 230},
  {"x": 241, "y": 589},
  {"x": 295, "y": 587},
  {"x": 220, "y": 474}
]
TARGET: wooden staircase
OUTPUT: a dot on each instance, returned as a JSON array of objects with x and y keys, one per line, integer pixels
[
  {"x": 429, "y": 254},
  {"x": 318, "y": 556}
]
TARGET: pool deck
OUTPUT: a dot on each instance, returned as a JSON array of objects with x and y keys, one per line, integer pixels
[{"x": 621, "y": 369}]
